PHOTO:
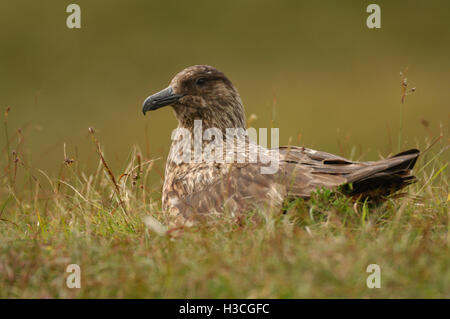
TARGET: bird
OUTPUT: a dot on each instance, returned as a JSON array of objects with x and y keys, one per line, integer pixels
[{"x": 199, "y": 189}]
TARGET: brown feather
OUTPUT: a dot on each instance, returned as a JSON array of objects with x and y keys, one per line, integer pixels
[{"x": 199, "y": 190}]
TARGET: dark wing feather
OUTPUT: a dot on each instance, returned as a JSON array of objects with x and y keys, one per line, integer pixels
[{"x": 369, "y": 179}]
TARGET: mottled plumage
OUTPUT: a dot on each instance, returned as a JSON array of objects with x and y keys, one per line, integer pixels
[{"x": 200, "y": 189}]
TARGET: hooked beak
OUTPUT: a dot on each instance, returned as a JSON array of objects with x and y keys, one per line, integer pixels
[{"x": 160, "y": 99}]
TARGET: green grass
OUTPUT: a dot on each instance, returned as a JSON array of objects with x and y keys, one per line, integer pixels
[{"x": 318, "y": 249}]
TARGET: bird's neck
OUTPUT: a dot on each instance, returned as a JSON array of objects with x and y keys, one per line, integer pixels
[
  {"x": 221, "y": 115},
  {"x": 201, "y": 129}
]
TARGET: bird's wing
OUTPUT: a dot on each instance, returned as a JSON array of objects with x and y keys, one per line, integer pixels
[{"x": 377, "y": 178}]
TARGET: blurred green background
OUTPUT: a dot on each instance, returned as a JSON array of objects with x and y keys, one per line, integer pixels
[{"x": 334, "y": 81}]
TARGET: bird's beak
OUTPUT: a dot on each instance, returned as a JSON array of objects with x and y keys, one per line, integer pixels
[{"x": 160, "y": 99}]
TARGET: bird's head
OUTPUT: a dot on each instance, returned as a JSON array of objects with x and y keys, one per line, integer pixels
[{"x": 201, "y": 92}]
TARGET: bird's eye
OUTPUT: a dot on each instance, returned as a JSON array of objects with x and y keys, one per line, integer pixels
[{"x": 200, "y": 81}]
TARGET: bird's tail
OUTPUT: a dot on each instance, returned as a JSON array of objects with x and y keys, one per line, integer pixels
[{"x": 381, "y": 178}]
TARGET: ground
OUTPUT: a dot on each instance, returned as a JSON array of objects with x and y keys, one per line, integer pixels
[{"x": 113, "y": 228}]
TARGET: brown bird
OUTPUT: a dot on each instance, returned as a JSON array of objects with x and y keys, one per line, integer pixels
[{"x": 196, "y": 186}]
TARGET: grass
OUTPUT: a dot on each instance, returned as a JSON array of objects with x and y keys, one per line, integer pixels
[{"x": 319, "y": 249}]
